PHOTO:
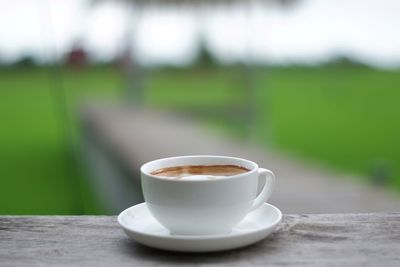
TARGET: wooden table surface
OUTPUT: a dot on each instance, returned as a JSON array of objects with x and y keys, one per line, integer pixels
[{"x": 301, "y": 240}]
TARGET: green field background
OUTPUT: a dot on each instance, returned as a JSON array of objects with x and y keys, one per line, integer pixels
[{"x": 344, "y": 117}]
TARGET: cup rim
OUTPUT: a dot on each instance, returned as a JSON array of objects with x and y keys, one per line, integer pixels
[{"x": 147, "y": 174}]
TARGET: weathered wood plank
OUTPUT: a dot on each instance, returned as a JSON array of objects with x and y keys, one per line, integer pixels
[{"x": 310, "y": 240}]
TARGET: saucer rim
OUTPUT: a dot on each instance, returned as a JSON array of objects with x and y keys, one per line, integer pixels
[{"x": 199, "y": 237}]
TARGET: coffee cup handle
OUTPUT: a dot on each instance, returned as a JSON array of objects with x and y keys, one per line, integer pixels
[{"x": 267, "y": 189}]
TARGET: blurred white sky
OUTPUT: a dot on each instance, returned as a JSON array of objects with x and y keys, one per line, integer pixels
[{"x": 310, "y": 32}]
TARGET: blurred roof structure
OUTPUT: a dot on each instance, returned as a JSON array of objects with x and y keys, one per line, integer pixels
[{"x": 196, "y": 2}]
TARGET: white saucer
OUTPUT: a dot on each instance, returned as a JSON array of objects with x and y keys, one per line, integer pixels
[{"x": 140, "y": 225}]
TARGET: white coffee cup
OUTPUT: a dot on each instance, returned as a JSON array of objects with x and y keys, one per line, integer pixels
[{"x": 204, "y": 207}]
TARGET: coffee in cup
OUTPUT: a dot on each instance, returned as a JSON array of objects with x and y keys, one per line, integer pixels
[{"x": 199, "y": 172}]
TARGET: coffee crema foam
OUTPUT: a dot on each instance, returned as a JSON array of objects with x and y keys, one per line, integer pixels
[{"x": 199, "y": 172}]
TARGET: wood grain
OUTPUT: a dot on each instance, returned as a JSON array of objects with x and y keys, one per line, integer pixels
[{"x": 301, "y": 240}]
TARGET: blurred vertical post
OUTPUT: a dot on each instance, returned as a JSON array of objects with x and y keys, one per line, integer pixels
[
  {"x": 250, "y": 86},
  {"x": 133, "y": 71},
  {"x": 61, "y": 107}
]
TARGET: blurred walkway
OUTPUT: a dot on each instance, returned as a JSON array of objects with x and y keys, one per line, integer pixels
[{"x": 130, "y": 137}]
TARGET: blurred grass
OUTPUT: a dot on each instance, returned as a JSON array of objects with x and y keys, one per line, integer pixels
[
  {"x": 343, "y": 116},
  {"x": 39, "y": 170},
  {"x": 347, "y": 117}
]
